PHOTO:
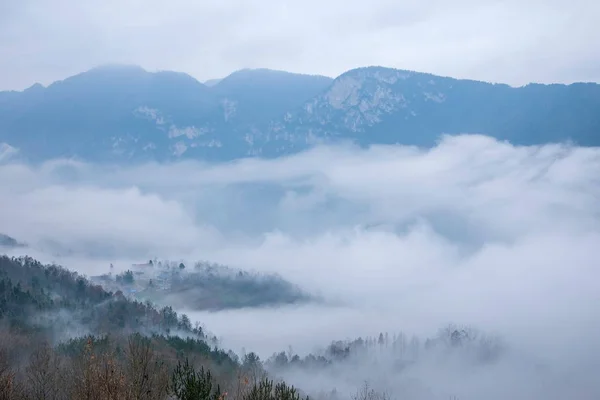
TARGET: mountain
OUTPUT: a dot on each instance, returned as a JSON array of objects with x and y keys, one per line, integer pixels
[
  {"x": 64, "y": 337},
  {"x": 107, "y": 109},
  {"x": 124, "y": 113},
  {"x": 7, "y": 241},
  {"x": 380, "y": 105},
  {"x": 205, "y": 286},
  {"x": 212, "y": 82},
  {"x": 255, "y": 96},
  {"x": 38, "y": 297}
]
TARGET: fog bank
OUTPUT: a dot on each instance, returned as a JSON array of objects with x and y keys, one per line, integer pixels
[{"x": 473, "y": 231}]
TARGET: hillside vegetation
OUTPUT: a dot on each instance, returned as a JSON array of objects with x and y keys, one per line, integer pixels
[
  {"x": 62, "y": 337},
  {"x": 203, "y": 286}
]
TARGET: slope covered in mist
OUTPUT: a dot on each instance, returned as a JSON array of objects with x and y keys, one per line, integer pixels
[
  {"x": 203, "y": 286},
  {"x": 60, "y": 303},
  {"x": 64, "y": 338},
  {"x": 474, "y": 231},
  {"x": 8, "y": 241}
]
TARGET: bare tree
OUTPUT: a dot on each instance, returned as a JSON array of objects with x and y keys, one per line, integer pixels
[
  {"x": 43, "y": 374},
  {"x": 147, "y": 377},
  {"x": 111, "y": 379},
  {"x": 7, "y": 377},
  {"x": 82, "y": 374},
  {"x": 10, "y": 387},
  {"x": 97, "y": 376},
  {"x": 366, "y": 392}
]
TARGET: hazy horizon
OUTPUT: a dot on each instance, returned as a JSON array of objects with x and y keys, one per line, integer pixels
[
  {"x": 210, "y": 81},
  {"x": 419, "y": 216},
  {"x": 510, "y": 41}
]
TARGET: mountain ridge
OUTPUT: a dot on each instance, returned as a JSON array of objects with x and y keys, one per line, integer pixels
[
  {"x": 214, "y": 81},
  {"x": 126, "y": 114}
]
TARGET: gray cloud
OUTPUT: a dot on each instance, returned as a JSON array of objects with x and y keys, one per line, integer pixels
[
  {"x": 508, "y": 41},
  {"x": 473, "y": 231}
]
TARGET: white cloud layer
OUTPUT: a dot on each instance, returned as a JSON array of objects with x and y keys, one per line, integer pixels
[
  {"x": 473, "y": 231},
  {"x": 504, "y": 41}
]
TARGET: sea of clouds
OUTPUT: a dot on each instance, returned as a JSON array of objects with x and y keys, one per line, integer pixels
[{"x": 473, "y": 231}]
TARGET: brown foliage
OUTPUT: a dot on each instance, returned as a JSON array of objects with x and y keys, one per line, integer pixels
[
  {"x": 44, "y": 374},
  {"x": 133, "y": 368},
  {"x": 146, "y": 375},
  {"x": 10, "y": 386},
  {"x": 97, "y": 376}
]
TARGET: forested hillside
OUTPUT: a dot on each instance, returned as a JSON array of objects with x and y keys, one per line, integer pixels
[
  {"x": 62, "y": 337},
  {"x": 54, "y": 301},
  {"x": 203, "y": 286}
]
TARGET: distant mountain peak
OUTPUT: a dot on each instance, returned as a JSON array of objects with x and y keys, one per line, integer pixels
[
  {"x": 109, "y": 73},
  {"x": 250, "y": 72},
  {"x": 36, "y": 87},
  {"x": 8, "y": 241},
  {"x": 124, "y": 113}
]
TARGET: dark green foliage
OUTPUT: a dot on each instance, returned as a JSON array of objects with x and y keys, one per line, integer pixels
[
  {"x": 189, "y": 384},
  {"x": 265, "y": 390},
  {"x": 76, "y": 346},
  {"x": 213, "y": 286},
  {"x": 125, "y": 278},
  {"x": 17, "y": 302},
  {"x": 42, "y": 279},
  {"x": 186, "y": 346},
  {"x": 48, "y": 297},
  {"x": 206, "y": 286},
  {"x": 113, "y": 361}
]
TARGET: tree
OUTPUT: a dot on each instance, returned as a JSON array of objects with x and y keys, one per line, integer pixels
[
  {"x": 367, "y": 393},
  {"x": 281, "y": 360},
  {"x": 8, "y": 388},
  {"x": 43, "y": 374},
  {"x": 126, "y": 277},
  {"x": 187, "y": 384},
  {"x": 181, "y": 266},
  {"x": 252, "y": 367},
  {"x": 146, "y": 375},
  {"x": 185, "y": 323},
  {"x": 265, "y": 390}
]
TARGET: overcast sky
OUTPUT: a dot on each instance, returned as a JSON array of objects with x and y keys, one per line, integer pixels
[{"x": 510, "y": 41}]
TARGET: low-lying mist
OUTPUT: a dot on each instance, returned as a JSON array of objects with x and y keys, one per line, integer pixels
[{"x": 398, "y": 239}]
